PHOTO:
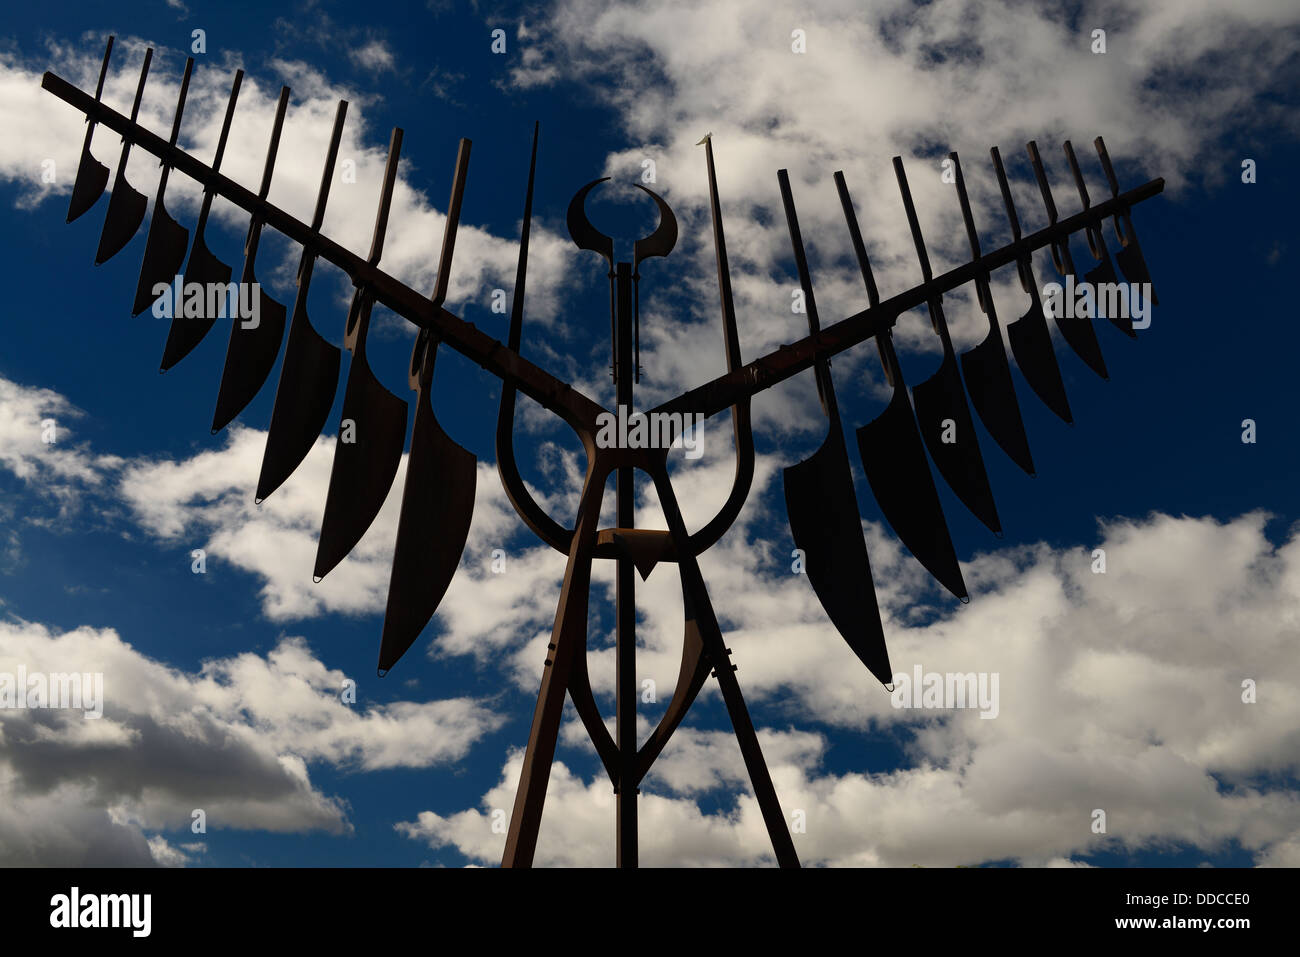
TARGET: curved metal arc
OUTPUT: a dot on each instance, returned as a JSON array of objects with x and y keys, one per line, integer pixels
[
  {"x": 529, "y": 510},
  {"x": 584, "y": 234},
  {"x": 587, "y": 236},
  {"x": 658, "y": 243},
  {"x": 662, "y": 240},
  {"x": 694, "y": 671},
  {"x": 584, "y": 702}
]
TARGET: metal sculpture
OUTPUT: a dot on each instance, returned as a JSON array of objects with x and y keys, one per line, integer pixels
[{"x": 439, "y": 488}]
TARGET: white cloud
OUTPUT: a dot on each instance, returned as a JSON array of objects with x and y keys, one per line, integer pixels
[
  {"x": 1120, "y": 691},
  {"x": 890, "y": 78},
  {"x": 373, "y": 55},
  {"x": 43, "y": 128},
  {"x": 234, "y": 739},
  {"x": 37, "y": 442}
]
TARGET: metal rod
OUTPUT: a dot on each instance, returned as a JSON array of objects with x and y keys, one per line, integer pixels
[
  {"x": 625, "y": 597},
  {"x": 695, "y": 596},
  {"x": 567, "y": 635},
  {"x": 825, "y": 391}
]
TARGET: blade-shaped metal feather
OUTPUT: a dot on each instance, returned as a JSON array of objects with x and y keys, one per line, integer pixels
[
  {"x": 438, "y": 498},
  {"x": 985, "y": 367},
  {"x": 372, "y": 428},
  {"x": 1031, "y": 340},
  {"x": 165, "y": 245},
  {"x": 126, "y": 205},
  {"x": 823, "y": 509},
  {"x": 194, "y": 317},
  {"x": 1130, "y": 259},
  {"x": 254, "y": 341},
  {"x": 941, "y": 409},
  {"x": 892, "y": 454},
  {"x": 309, "y": 376},
  {"x": 1102, "y": 276},
  {"x": 92, "y": 175},
  {"x": 1078, "y": 331}
]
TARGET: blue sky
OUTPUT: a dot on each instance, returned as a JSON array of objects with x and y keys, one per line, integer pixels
[{"x": 1119, "y": 691}]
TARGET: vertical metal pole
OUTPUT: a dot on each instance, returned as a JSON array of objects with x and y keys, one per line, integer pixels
[{"x": 625, "y": 596}]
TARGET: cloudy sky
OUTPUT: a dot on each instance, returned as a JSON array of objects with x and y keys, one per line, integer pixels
[{"x": 1120, "y": 691}]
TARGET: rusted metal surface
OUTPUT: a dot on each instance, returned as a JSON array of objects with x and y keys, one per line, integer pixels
[{"x": 439, "y": 488}]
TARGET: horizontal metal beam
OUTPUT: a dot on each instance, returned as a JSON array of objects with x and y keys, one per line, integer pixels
[{"x": 574, "y": 407}]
